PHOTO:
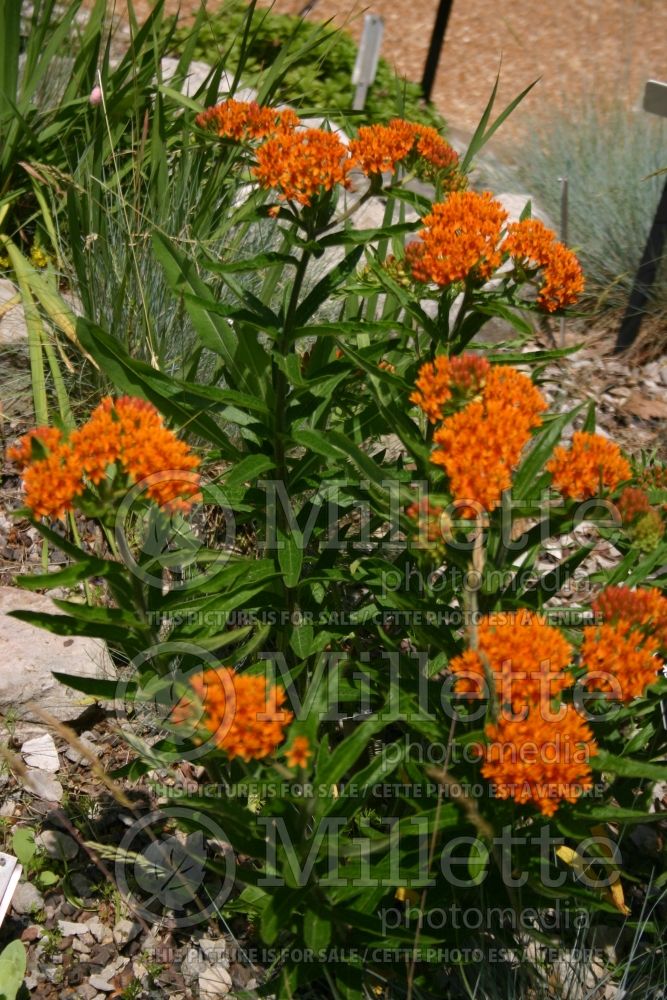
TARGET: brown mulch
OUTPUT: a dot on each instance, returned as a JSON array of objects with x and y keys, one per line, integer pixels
[{"x": 592, "y": 49}]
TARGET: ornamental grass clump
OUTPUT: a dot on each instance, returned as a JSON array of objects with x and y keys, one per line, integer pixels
[{"x": 389, "y": 692}]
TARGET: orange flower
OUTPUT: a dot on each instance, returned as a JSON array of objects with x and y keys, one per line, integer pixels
[
  {"x": 535, "y": 246},
  {"x": 539, "y": 761},
  {"x": 466, "y": 374},
  {"x": 592, "y": 464},
  {"x": 526, "y": 656},
  {"x": 51, "y": 484},
  {"x": 379, "y": 149},
  {"x": 242, "y": 120},
  {"x": 460, "y": 239},
  {"x": 479, "y": 446},
  {"x": 625, "y": 645},
  {"x": 433, "y": 387},
  {"x": 431, "y": 520},
  {"x": 300, "y": 165},
  {"x": 21, "y": 453},
  {"x": 241, "y": 713},
  {"x": 299, "y": 752},
  {"x": 632, "y": 503},
  {"x": 128, "y": 432}
]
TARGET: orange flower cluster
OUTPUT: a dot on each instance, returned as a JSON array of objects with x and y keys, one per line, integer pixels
[
  {"x": 622, "y": 651},
  {"x": 127, "y": 432},
  {"x": 299, "y": 752},
  {"x": 437, "y": 380},
  {"x": 245, "y": 120},
  {"x": 432, "y": 522},
  {"x": 481, "y": 444},
  {"x": 22, "y": 453},
  {"x": 538, "y": 760},
  {"x": 300, "y": 165},
  {"x": 379, "y": 149},
  {"x": 534, "y": 246},
  {"x": 460, "y": 239},
  {"x": 632, "y": 503},
  {"x": 526, "y": 657},
  {"x": 590, "y": 465},
  {"x": 241, "y": 713}
]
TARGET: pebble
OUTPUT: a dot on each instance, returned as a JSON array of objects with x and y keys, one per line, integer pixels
[
  {"x": 98, "y": 929},
  {"x": 40, "y": 752},
  {"x": 70, "y": 928},
  {"x": 103, "y": 980},
  {"x": 100, "y": 983},
  {"x": 42, "y": 784},
  {"x": 57, "y": 845},
  {"x": 86, "y": 991},
  {"x": 31, "y": 933},
  {"x": 75, "y": 755},
  {"x": 125, "y": 931},
  {"x": 214, "y": 950},
  {"x": 26, "y": 898},
  {"x": 214, "y": 982},
  {"x": 80, "y": 946}
]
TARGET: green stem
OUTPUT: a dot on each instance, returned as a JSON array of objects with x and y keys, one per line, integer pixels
[{"x": 280, "y": 389}]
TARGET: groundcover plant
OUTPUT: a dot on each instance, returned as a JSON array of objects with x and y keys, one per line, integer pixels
[{"x": 413, "y": 748}]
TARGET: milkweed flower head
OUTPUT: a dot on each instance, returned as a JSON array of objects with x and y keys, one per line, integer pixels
[
  {"x": 532, "y": 245},
  {"x": 125, "y": 434},
  {"x": 480, "y": 445},
  {"x": 300, "y": 165},
  {"x": 441, "y": 380},
  {"x": 380, "y": 149},
  {"x": 526, "y": 657},
  {"x": 240, "y": 712},
  {"x": 621, "y": 651},
  {"x": 592, "y": 464},
  {"x": 46, "y": 438},
  {"x": 243, "y": 121},
  {"x": 432, "y": 523},
  {"x": 299, "y": 752},
  {"x": 460, "y": 240},
  {"x": 632, "y": 504},
  {"x": 539, "y": 761}
]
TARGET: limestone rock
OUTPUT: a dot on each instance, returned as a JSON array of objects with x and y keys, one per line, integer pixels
[{"x": 29, "y": 654}]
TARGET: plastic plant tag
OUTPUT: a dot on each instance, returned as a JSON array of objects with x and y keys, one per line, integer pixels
[{"x": 10, "y": 873}]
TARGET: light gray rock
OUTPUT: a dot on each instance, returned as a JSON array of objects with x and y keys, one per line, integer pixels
[
  {"x": 514, "y": 204},
  {"x": 214, "y": 982},
  {"x": 198, "y": 73},
  {"x": 40, "y": 752},
  {"x": 58, "y": 845},
  {"x": 100, "y": 931},
  {"x": 77, "y": 757},
  {"x": 28, "y": 655},
  {"x": 42, "y": 784},
  {"x": 214, "y": 950},
  {"x": 70, "y": 928},
  {"x": 103, "y": 980},
  {"x": 13, "y": 329},
  {"x": 26, "y": 898},
  {"x": 125, "y": 931}
]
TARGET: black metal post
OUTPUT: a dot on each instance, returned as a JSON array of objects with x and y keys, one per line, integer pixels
[
  {"x": 645, "y": 277},
  {"x": 435, "y": 47}
]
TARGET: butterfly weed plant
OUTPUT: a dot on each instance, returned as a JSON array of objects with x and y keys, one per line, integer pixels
[{"x": 417, "y": 749}]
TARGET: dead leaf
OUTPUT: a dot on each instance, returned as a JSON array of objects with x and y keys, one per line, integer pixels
[{"x": 645, "y": 408}]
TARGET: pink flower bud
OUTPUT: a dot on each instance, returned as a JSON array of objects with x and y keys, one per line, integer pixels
[{"x": 95, "y": 96}]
